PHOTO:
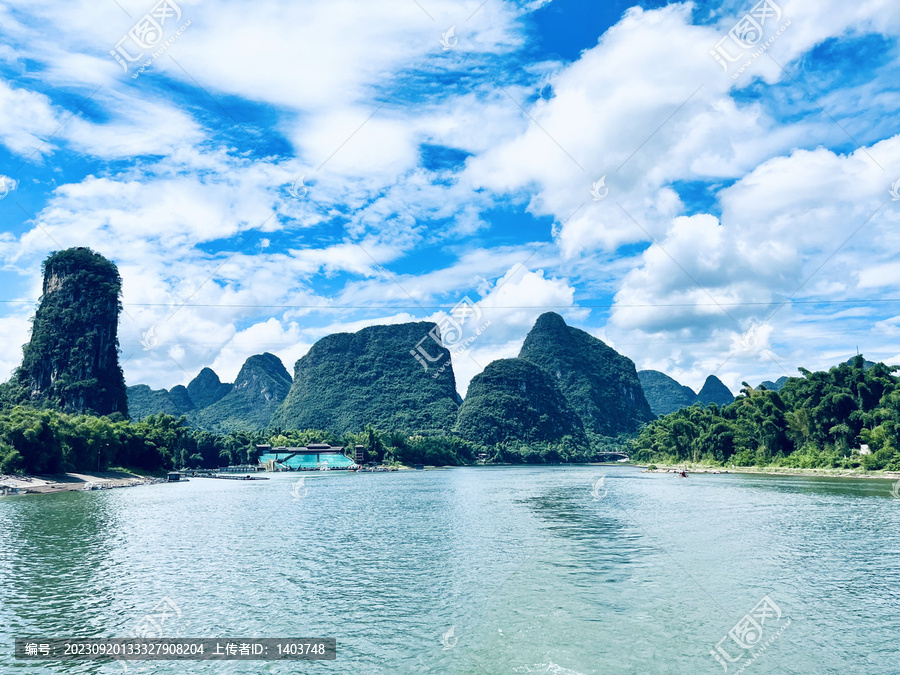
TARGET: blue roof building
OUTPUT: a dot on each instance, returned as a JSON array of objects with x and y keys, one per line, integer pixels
[{"x": 312, "y": 457}]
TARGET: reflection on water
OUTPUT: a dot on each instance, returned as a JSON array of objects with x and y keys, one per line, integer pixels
[{"x": 474, "y": 570}]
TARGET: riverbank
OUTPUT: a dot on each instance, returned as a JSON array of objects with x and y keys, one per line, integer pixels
[
  {"x": 772, "y": 471},
  {"x": 71, "y": 482}
]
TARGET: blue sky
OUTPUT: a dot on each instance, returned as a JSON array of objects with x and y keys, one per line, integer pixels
[{"x": 281, "y": 171}]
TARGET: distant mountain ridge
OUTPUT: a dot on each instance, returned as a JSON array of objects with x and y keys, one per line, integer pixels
[
  {"x": 774, "y": 386},
  {"x": 665, "y": 394},
  {"x": 212, "y": 405},
  {"x": 567, "y": 396},
  {"x": 206, "y": 389},
  {"x": 144, "y": 401},
  {"x": 260, "y": 387},
  {"x": 181, "y": 398},
  {"x": 348, "y": 381}
]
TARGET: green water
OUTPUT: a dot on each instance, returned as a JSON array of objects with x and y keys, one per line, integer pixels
[{"x": 535, "y": 570}]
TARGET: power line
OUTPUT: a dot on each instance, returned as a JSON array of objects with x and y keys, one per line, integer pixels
[{"x": 441, "y": 307}]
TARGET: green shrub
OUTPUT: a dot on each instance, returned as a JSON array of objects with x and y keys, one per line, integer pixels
[{"x": 10, "y": 460}]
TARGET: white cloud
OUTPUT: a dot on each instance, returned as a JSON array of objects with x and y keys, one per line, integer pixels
[
  {"x": 647, "y": 107},
  {"x": 139, "y": 128},
  {"x": 27, "y": 119},
  {"x": 14, "y": 332},
  {"x": 267, "y": 336},
  {"x": 787, "y": 231},
  {"x": 7, "y": 185},
  {"x": 497, "y": 324}
]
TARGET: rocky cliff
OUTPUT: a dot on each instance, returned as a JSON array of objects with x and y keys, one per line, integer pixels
[{"x": 72, "y": 358}]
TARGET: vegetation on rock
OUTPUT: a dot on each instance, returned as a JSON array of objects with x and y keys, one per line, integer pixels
[
  {"x": 514, "y": 400},
  {"x": 144, "y": 401},
  {"x": 773, "y": 386},
  {"x": 600, "y": 384},
  {"x": 350, "y": 380},
  {"x": 179, "y": 397},
  {"x": 664, "y": 394},
  {"x": 206, "y": 389},
  {"x": 71, "y": 361},
  {"x": 715, "y": 391},
  {"x": 259, "y": 389}
]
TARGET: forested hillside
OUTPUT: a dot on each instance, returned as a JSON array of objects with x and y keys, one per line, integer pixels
[
  {"x": 144, "y": 401},
  {"x": 212, "y": 405},
  {"x": 516, "y": 402},
  {"x": 817, "y": 420},
  {"x": 260, "y": 387},
  {"x": 600, "y": 384},
  {"x": 664, "y": 394},
  {"x": 206, "y": 389},
  {"x": 773, "y": 386},
  {"x": 715, "y": 391},
  {"x": 350, "y": 380}
]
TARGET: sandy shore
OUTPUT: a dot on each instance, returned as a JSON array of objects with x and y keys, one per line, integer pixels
[
  {"x": 69, "y": 482},
  {"x": 778, "y": 471}
]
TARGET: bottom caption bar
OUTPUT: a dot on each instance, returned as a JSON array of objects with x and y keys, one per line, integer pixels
[{"x": 177, "y": 649}]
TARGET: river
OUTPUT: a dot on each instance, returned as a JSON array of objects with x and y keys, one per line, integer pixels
[{"x": 569, "y": 569}]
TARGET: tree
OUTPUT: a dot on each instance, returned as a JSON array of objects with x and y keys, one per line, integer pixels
[{"x": 814, "y": 420}]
